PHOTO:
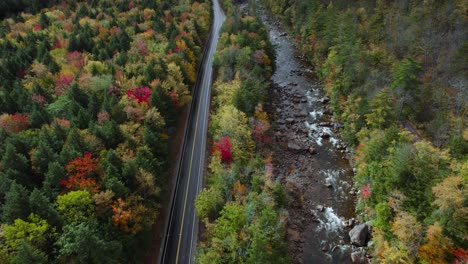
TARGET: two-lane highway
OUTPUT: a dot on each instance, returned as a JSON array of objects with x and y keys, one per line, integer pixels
[{"x": 181, "y": 236}]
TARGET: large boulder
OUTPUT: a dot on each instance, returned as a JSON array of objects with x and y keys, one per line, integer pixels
[{"x": 360, "y": 235}]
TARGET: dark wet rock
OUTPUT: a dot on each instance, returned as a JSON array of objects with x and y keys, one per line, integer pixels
[
  {"x": 280, "y": 121},
  {"x": 303, "y": 100},
  {"x": 360, "y": 235},
  {"x": 325, "y": 124},
  {"x": 328, "y": 111},
  {"x": 283, "y": 34},
  {"x": 338, "y": 125},
  {"x": 359, "y": 257},
  {"x": 324, "y": 100},
  {"x": 353, "y": 191},
  {"x": 340, "y": 147},
  {"x": 293, "y": 147},
  {"x": 328, "y": 184},
  {"x": 324, "y": 246},
  {"x": 302, "y": 113},
  {"x": 290, "y": 120},
  {"x": 324, "y": 135},
  {"x": 312, "y": 150},
  {"x": 349, "y": 223}
]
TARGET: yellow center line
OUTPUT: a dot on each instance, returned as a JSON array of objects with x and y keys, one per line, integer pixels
[{"x": 187, "y": 188}]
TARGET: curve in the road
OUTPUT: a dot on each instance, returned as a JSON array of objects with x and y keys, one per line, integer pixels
[{"x": 181, "y": 234}]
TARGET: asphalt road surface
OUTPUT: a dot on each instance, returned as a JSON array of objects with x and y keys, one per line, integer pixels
[{"x": 181, "y": 235}]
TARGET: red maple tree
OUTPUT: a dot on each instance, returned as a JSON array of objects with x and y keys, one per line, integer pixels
[
  {"x": 141, "y": 93},
  {"x": 82, "y": 172},
  {"x": 224, "y": 147}
]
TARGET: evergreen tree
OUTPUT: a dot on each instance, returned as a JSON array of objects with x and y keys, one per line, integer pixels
[
  {"x": 41, "y": 206},
  {"x": 28, "y": 254},
  {"x": 84, "y": 243},
  {"x": 51, "y": 184},
  {"x": 16, "y": 204},
  {"x": 42, "y": 156}
]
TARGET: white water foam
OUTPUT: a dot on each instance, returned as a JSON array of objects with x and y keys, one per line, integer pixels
[
  {"x": 330, "y": 222},
  {"x": 333, "y": 177},
  {"x": 315, "y": 115}
]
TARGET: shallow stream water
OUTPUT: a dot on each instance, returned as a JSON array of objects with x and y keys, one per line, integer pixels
[{"x": 313, "y": 181}]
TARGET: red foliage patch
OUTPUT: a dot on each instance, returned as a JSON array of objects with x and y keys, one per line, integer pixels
[
  {"x": 366, "y": 191},
  {"x": 461, "y": 255},
  {"x": 82, "y": 171},
  {"x": 62, "y": 83},
  {"x": 224, "y": 147},
  {"x": 14, "y": 123},
  {"x": 63, "y": 122},
  {"x": 76, "y": 59},
  {"x": 142, "y": 47},
  {"x": 39, "y": 99},
  {"x": 141, "y": 93}
]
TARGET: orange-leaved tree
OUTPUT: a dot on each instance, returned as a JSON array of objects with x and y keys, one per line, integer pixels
[{"x": 82, "y": 172}]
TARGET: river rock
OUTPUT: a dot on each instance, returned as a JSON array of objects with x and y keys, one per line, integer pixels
[
  {"x": 302, "y": 113},
  {"x": 324, "y": 100},
  {"x": 312, "y": 150},
  {"x": 324, "y": 246},
  {"x": 325, "y": 124},
  {"x": 328, "y": 111},
  {"x": 293, "y": 147},
  {"x": 360, "y": 234},
  {"x": 290, "y": 120},
  {"x": 324, "y": 135},
  {"x": 320, "y": 208},
  {"x": 349, "y": 223},
  {"x": 340, "y": 147},
  {"x": 359, "y": 257}
]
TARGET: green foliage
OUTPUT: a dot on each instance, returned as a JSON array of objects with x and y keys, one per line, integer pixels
[
  {"x": 36, "y": 231},
  {"x": 75, "y": 206},
  {"x": 27, "y": 253},
  {"x": 389, "y": 86},
  {"x": 83, "y": 242},
  {"x": 16, "y": 204},
  {"x": 383, "y": 218},
  {"x": 208, "y": 203},
  {"x": 241, "y": 204}
]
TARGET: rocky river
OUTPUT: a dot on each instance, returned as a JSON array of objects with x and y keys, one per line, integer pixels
[{"x": 310, "y": 159}]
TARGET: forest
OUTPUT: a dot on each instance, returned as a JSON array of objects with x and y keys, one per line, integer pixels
[
  {"x": 395, "y": 72},
  {"x": 241, "y": 207},
  {"x": 90, "y": 92}
]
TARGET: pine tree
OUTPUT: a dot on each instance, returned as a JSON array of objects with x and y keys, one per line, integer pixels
[
  {"x": 27, "y": 253},
  {"x": 16, "y": 203},
  {"x": 42, "y": 156},
  {"x": 51, "y": 184},
  {"x": 41, "y": 206}
]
